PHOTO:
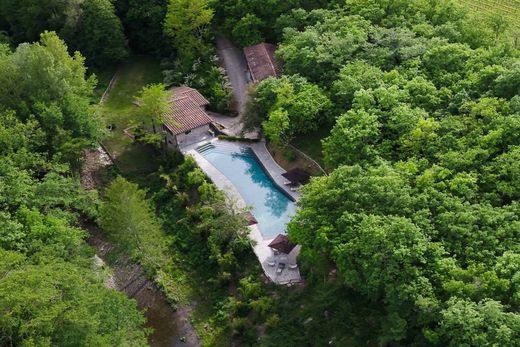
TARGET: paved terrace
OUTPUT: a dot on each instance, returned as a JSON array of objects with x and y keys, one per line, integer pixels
[{"x": 262, "y": 251}]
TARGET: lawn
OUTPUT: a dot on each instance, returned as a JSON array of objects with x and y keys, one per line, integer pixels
[
  {"x": 119, "y": 112},
  {"x": 103, "y": 77}
]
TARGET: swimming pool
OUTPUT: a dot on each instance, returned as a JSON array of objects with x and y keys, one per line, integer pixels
[{"x": 271, "y": 207}]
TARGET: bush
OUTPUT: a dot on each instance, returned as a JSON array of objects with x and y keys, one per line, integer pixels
[{"x": 289, "y": 154}]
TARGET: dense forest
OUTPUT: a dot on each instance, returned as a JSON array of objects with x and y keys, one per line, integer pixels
[
  {"x": 49, "y": 292},
  {"x": 411, "y": 239}
]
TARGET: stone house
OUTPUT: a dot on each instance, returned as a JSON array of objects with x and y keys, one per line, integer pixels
[{"x": 186, "y": 122}]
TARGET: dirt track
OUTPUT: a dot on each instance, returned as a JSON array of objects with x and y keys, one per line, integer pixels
[{"x": 235, "y": 64}]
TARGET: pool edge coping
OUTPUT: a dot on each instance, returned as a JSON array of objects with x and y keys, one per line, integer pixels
[{"x": 261, "y": 248}]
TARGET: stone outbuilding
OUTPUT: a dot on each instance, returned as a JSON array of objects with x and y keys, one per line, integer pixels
[
  {"x": 187, "y": 121},
  {"x": 261, "y": 61}
]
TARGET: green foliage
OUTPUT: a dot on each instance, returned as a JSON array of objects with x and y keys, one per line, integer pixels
[
  {"x": 27, "y": 19},
  {"x": 205, "y": 225},
  {"x": 204, "y": 75},
  {"x": 497, "y": 14},
  {"x": 186, "y": 26},
  {"x": 465, "y": 323},
  {"x": 248, "y": 31},
  {"x": 351, "y": 141},
  {"x": 60, "y": 304},
  {"x": 411, "y": 239},
  {"x": 90, "y": 26},
  {"x": 417, "y": 217},
  {"x": 195, "y": 64},
  {"x": 291, "y": 105},
  {"x": 143, "y": 23},
  {"x": 43, "y": 81},
  {"x": 254, "y": 21},
  {"x": 154, "y": 103},
  {"x": 119, "y": 111},
  {"x": 50, "y": 294},
  {"x": 97, "y": 33},
  {"x": 320, "y": 51},
  {"x": 129, "y": 220}
]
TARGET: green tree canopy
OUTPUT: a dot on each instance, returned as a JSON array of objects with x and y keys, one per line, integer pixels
[
  {"x": 186, "y": 25},
  {"x": 291, "y": 105},
  {"x": 128, "y": 218},
  {"x": 90, "y": 26},
  {"x": 61, "y": 305},
  {"x": 154, "y": 102},
  {"x": 97, "y": 33},
  {"x": 143, "y": 20},
  {"x": 466, "y": 323},
  {"x": 43, "y": 81}
]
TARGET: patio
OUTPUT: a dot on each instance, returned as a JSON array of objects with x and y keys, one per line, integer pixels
[{"x": 265, "y": 255}]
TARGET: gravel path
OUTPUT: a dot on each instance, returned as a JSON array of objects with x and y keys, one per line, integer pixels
[{"x": 235, "y": 64}]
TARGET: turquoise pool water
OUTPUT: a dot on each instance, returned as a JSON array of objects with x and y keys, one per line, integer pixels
[{"x": 271, "y": 207}]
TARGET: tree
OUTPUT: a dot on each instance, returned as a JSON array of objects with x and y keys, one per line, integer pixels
[
  {"x": 154, "y": 102},
  {"x": 445, "y": 63},
  {"x": 498, "y": 24},
  {"x": 505, "y": 174},
  {"x": 142, "y": 20},
  {"x": 27, "y": 19},
  {"x": 129, "y": 220},
  {"x": 319, "y": 52},
  {"x": 383, "y": 257},
  {"x": 186, "y": 25},
  {"x": 230, "y": 14},
  {"x": 49, "y": 292},
  {"x": 277, "y": 127},
  {"x": 416, "y": 223},
  {"x": 508, "y": 83},
  {"x": 347, "y": 191},
  {"x": 292, "y": 106},
  {"x": 353, "y": 139},
  {"x": 207, "y": 226},
  {"x": 90, "y": 26},
  {"x": 59, "y": 304},
  {"x": 465, "y": 323},
  {"x": 97, "y": 33},
  {"x": 248, "y": 31},
  {"x": 43, "y": 81},
  {"x": 352, "y": 78}
]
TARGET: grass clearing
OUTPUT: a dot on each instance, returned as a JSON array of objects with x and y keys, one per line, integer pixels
[
  {"x": 104, "y": 76},
  {"x": 119, "y": 112},
  {"x": 310, "y": 143}
]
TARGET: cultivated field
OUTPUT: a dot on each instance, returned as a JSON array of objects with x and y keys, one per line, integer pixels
[{"x": 507, "y": 8}]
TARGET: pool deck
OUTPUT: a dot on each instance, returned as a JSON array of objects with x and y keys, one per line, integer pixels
[{"x": 260, "y": 247}]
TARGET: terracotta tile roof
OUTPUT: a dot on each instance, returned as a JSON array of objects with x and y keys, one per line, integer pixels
[
  {"x": 187, "y": 111},
  {"x": 261, "y": 61},
  {"x": 193, "y": 94}
]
